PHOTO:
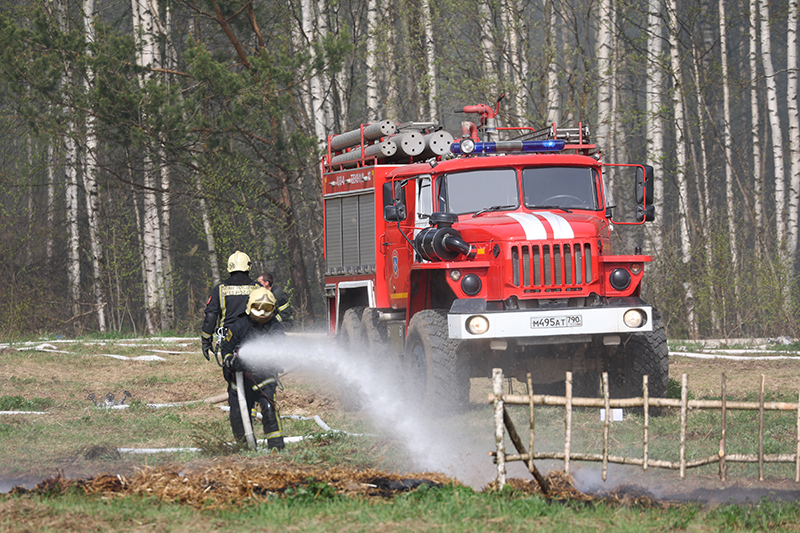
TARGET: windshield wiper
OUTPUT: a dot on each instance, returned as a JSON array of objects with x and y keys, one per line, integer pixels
[
  {"x": 551, "y": 207},
  {"x": 493, "y": 208}
]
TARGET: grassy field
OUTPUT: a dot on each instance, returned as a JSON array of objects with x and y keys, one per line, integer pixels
[{"x": 331, "y": 480}]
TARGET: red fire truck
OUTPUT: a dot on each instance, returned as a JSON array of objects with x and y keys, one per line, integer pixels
[{"x": 452, "y": 256}]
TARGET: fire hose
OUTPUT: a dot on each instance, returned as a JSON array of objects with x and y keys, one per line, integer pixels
[{"x": 248, "y": 427}]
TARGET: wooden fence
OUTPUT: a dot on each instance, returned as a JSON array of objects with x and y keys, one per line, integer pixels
[{"x": 504, "y": 423}]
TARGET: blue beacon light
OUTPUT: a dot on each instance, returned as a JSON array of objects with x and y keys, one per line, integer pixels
[{"x": 506, "y": 146}]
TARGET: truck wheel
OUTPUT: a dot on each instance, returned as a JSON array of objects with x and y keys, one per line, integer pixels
[
  {"x": 350, "y": 340},
  {"x": 434, "y": 373},
  {"x": 373, "y": 333},
  {"x": 586, "y": 384},
  {"x": 644, "y": 354}
]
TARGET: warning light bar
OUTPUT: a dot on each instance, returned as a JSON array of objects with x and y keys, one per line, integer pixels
[{"x": 468, "y": 146}]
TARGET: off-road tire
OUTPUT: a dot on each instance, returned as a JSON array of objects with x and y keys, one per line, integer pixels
[
  {"x": 373, "y": 332},
  {"x": 644, "y": 354},
  {"x": 433, "y": 372},
  {"x": 375, "y": 342},
  {"x": 350, "y": 340},
  {"x": 585, "y": 384}
]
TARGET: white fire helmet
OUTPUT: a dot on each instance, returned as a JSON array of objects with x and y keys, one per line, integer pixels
[
  {"x": 261, "y": 305},
  {"x": 239, "y": 262}
]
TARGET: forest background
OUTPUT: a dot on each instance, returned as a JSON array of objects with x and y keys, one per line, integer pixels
[{"x": 145, "y": 141}]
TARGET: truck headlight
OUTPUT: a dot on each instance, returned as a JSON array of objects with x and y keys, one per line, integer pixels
[
  {"x": 634, "y": 318},
  {"x": 477, "y": 325}
]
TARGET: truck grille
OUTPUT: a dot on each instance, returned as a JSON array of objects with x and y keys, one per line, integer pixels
[{"x": 552, "y": 267}]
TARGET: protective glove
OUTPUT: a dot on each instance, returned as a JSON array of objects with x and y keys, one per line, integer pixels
[
  {"x": 233, "y": 363},
  {"x": 207, "y": 348}
]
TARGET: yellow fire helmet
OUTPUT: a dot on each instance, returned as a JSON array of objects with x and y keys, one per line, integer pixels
[
  {"x": 239, "y": 261},
  {"x": 261, "y": 305}
]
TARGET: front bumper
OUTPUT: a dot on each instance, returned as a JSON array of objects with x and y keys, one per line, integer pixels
[{"x": 549, "y": 322}]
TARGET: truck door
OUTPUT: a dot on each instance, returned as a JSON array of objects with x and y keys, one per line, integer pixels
[{"x": 397, "y": 250}]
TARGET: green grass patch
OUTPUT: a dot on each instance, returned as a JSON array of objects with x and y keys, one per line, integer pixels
[
  {"x": 18, "y": 403},
  {"x": 315, "y": 507}
]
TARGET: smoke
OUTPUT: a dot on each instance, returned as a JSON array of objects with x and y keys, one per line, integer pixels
[{"x": 456, "y": 445}]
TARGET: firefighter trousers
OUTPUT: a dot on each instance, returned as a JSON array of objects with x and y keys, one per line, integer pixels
[{"x": 263, "y": 394}]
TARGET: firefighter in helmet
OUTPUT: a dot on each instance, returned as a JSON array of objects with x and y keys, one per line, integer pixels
[
  {"x": 260, "y": 375},
  {"x": 283, "y": 309},
  {"x": 228, "y": 300}
]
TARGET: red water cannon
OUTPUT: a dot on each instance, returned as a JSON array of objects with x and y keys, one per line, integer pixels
[{"x": 488, "y": 119}]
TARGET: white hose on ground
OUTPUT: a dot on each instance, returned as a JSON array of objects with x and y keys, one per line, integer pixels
[{"x": 248, "y": 427}]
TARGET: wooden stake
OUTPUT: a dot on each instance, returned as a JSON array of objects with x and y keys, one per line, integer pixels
[
  {"x": 499, "y": 409},
  {"x": 567, "y": 421},
  {"x": 646, "y": 406},
  {"x": 605, "y": 425},
  {"x": 761, "y": 431},
  {"x": 723, "y": 466},
  {"x": 684, "y": 402},
  {"x": 533, "y": 431},
  {"x": 797, "y": 456},
  {"x": 514, "y": 436}
]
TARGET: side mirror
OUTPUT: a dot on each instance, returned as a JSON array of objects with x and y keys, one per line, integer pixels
[
  {"x": 645, "y": 214},
  {"x": 394, "y": 205},
  {"x": 394, "y": 213},
  {"x": 644, "y": 185}
]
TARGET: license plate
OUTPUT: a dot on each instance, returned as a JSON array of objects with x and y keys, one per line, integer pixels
[{"x": 569, "y": 321}]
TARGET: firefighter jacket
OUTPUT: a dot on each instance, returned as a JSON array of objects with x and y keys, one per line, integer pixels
[
  {"x": 244, "y": 329},
  {"x": 283, "y": 309},
  {"x": 227, "y": 303}
]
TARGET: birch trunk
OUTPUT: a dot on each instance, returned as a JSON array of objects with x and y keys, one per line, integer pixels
[
  {"x": 325, "y": 79},
  {"x": 777, "y": 142},
  {"x": 71, "y": 179},
  {"x": 553, "y": 90},
  {"x": 73, "y": 242},
  {"x": 655, "y": 129},
  {"x": 727, "y": 140},
  {"x": 755, "y": 131},
  {"x": 604, "y": 68},
  {"x": 430, "y": 60},
  {"x": 680, "y": 156},
  {"x": 90, "y": 181},
  {"x": 315, "y": 86},
  {"x": 51, "y": 200},
  {"x": 371, "y": 61},
  {"x": 487, "y": 44},
  {"x": 514, "y": 25},
  {"x": 794, "y": 130},
  {"x": 144, "y": 34},
  {"x": 702, "y": 179}
]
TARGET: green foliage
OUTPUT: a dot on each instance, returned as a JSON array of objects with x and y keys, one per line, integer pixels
[
  {"x": 18, "y": 403},
  {"x": 312, "y": 490},
  {"x": 674, "y": 390}
]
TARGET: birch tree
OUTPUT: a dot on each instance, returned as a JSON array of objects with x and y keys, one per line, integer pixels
[
  {"x": 430, "y": 59},
  {"x": 755, "y": 130},
  {"x": 794, "y": 129},
  {"x": 552, "y": 90},
  {"x": 603, "y": 51},
  {"x": 371, "y": 60},
  {"x": 727, "y": 141},
  {"x": 680, "y": 159},
  {"x": 90, "y": 177},
  {"x": 654, "y": 136},
  {"x": 776, "y": 133},
  {"x": 71, "y": 174}
]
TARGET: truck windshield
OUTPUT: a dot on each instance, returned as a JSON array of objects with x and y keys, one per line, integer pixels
[
  {"x": 471, "y": 191},
  {"x": 565, "y": 187}
]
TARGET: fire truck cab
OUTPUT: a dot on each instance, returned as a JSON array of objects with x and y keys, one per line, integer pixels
[{"x": 493, "y": 253}]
